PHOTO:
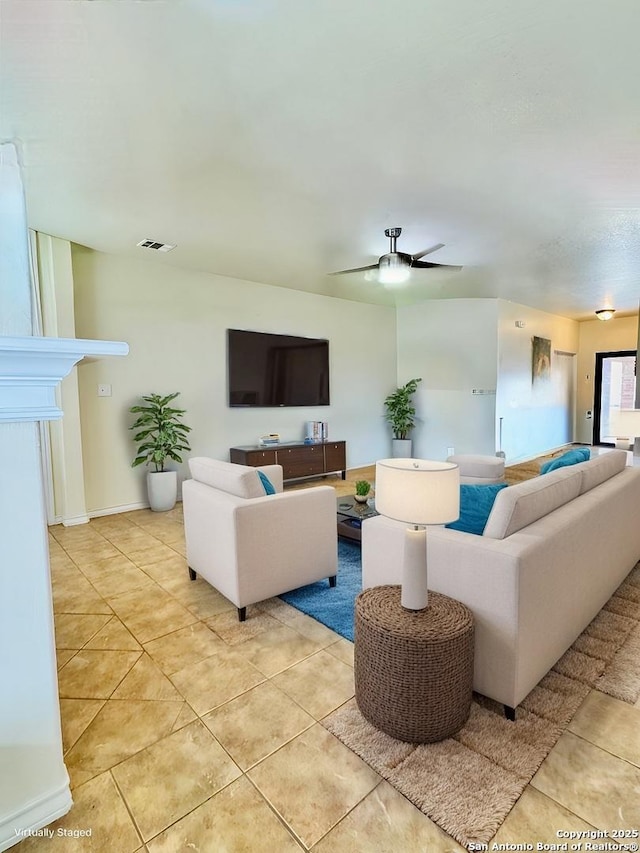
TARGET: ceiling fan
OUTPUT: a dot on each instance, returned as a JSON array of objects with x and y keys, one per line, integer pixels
[{"x": 395, "y": 267}]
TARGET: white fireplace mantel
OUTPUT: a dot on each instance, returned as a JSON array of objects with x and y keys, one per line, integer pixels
[
  {"x": 32, "y": 367},
  {"x": 36, "y": 790}
]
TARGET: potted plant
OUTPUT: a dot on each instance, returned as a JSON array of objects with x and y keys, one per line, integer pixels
[
  {"x": 363, "y": 487},
  {"x": 160, "y": 435},
  {"x": 400, "y": 413}
]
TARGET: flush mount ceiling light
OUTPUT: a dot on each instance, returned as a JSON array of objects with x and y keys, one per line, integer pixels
[{"x": 605, "y": 313}]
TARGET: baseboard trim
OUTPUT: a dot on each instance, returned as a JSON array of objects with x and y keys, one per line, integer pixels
[
  {"x": 524, "y": 459},
  {"x": 76, "y": 519},
  {"x": 114, "y": 510},
  {"x": 33, "y": 817},
  {"x": 98, "y": 513}
]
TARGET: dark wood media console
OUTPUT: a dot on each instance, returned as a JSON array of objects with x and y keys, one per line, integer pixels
[{"x": 297, "y": 459}]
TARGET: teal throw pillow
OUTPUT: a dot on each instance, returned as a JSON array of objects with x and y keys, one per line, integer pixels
[
  {"x": 266, "y": 482},
  {"x": 571, "y": 457},
  {"x": 476, "y": 503}
]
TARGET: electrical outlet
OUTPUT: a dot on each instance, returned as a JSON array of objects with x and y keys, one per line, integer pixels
[
  {"x": 104, "y": 390},
  {"x": 450, "y": 451}
]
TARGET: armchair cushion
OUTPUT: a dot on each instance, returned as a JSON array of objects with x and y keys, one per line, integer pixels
[{"x": 239, "y": 480}]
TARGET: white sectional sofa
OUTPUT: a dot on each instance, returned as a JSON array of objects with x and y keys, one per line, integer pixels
[{"x": 553, "y": 551}]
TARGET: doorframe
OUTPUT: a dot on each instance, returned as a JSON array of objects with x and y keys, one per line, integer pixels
[{"x": 597, "y": 393}]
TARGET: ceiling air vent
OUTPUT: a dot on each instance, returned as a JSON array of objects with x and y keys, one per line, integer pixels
[{"x": 154, "y": 244}]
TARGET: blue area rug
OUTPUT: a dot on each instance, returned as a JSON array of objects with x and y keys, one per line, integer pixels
[{"x": 333, "y": 607}]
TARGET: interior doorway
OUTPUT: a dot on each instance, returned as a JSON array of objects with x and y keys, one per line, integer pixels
[
  {"x": 564, "y": 381},
  {"x": 615, "y": 388}
]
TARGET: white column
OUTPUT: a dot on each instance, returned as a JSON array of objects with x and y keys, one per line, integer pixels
[
  {"x": 58, "y": 320},
  {"x": 34, "y": 785}
]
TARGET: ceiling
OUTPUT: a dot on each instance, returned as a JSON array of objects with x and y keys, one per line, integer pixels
[{"x": 275, "y": 140}]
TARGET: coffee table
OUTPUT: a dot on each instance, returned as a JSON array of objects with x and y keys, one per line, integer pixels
[{"x": 351, "y": 514}]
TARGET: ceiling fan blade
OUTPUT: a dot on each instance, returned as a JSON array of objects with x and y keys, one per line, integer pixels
[
  {"x": 355, "y": 269},
  {"x": 426, "y": 265},
  {"x": 427, "y": 251}
]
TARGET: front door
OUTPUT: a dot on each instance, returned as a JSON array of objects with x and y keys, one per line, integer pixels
[{"x": 615, "y": 388}]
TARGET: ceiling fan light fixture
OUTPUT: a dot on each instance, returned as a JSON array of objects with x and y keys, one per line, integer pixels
[
  {"x": 605, "y": 313},
  {"x": 393, "y": 269}
]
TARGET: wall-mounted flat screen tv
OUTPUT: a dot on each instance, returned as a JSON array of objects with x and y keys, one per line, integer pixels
[{"x": 276, "y": 370}]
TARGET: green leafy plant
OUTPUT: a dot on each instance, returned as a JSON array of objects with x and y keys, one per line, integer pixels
[
  {"x": 399, "y": 409},
  {"x": 159, "y": 431},
  {"x": 363, "y": 487}
]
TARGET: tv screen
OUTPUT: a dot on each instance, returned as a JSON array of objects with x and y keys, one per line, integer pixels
[{"x": 277, "y": 370}]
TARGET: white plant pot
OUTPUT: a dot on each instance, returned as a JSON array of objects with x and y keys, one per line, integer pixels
[
  {"x": 401, "y": 448},
  {"x": 162, "y": 490}
]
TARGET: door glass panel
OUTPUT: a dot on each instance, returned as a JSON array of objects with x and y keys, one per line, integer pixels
[{"x": 618, "y": 390}]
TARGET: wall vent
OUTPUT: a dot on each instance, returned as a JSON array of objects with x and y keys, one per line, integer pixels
[{"x": 154, "y": 244}]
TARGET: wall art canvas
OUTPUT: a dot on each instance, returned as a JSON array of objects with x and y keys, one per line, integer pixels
[{"x": 540, "y": 359}]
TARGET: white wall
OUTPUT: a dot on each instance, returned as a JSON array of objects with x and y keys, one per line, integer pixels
[
  {"x": 534, "y": 417},
  {"x": 459, "y": 346},
  {"x": 175, "y": 324},
  {"x": 452, "y": 345},
  {"x": 15, "y": 299},
  {"x": 621, "y": 333}
]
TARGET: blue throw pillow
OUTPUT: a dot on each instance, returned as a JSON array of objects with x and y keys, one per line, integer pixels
[
  {"x": 571, "y": 457},
  {"x": 266, "y": 482},
  {"x": 476, "y": 503}
]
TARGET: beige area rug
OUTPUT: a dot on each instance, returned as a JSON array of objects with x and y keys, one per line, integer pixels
[{"x": 468, "y": 784}]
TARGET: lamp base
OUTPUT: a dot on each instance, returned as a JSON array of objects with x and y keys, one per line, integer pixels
[{"x": 414, "y": 594}]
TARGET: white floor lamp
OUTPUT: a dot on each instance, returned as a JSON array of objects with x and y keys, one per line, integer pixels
[{"x": 419, "y": 492}]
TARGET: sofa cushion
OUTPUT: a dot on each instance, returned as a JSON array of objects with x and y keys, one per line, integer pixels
[
  {"x": 240, "y": 480},
  {"x": 476, "y": 501},
  {"x": 571, "y": 457},
  {"x": 597, "y": 470},
  {"x": 521, "y": 505}
]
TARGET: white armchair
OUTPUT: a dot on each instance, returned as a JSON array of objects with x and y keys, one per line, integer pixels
[{"x": 251, "y": 546}]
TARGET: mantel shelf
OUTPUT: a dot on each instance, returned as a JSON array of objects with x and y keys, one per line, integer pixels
[{"x": 32, "y": 367}]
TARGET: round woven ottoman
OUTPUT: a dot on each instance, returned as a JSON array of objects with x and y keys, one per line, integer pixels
[{"x": 413, "y": 668}]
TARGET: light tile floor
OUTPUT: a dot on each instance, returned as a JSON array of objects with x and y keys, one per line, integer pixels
[{"x": 185, "y": 730}]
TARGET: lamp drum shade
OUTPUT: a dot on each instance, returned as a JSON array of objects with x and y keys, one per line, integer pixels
[{"x": 418, "y": 491}]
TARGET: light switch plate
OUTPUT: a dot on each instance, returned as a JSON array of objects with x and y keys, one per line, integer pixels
[{"x": 104, "y": 390}]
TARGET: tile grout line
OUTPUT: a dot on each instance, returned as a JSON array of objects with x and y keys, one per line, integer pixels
[
  {"x": 604, "y": 749},
  {"x": 126, "y": 805}
]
